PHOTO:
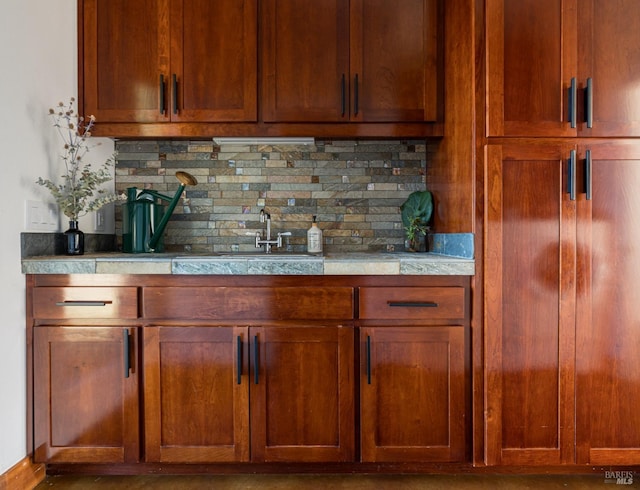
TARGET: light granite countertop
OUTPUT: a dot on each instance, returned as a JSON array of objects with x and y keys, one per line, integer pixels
[{"x": 400, "y": 263}]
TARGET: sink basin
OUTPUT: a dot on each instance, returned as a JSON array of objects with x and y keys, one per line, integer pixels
[{"x": 251, "y": 255}]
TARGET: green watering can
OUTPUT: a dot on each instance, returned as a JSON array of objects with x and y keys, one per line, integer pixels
[{"x": 144, "y": 218}]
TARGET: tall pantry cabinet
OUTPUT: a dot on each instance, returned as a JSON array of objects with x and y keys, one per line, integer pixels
[{"x": 561, "y": 257}]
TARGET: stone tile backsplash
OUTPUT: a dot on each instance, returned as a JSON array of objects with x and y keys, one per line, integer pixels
[{"x": 354, "y": 187}]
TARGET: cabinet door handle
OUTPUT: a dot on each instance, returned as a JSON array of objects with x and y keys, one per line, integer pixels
[
  {"x": 239, "y": 361},
  {"x": 588, "y": 96},
  {"x": 126, "y": 348},
  {"x": 356, "y": 96},
  {"x": 343, "y": 95},
  {"x": 587, "y": 175},
  {"x": 83, "y": 303},
  {"x": 571, "y": 176},
  {"x": 162, "y": 107},
  {"x": 175, "y": 93},
  {"x": 256, "y": 360},
  {"x": 413, "y": 304},
  {"x": 573, "y": 102},
  {"x": 368, "y": 359}
]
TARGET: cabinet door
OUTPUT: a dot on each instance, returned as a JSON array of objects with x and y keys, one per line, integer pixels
[
  {"x": 531, "y": 61},
  {"x": 529, "y": 305},
  {"x": 412, "y": 394},
  {"x": 302, "y": 394},
  {"x": 214, "y": 60},
  {"x": 196, "y": 394},
  {"x": 85, "y": 395},
  {"x": 610, "y": 57},
  {"x": 608, "y": 314},
  {"x": 125, "y": 50},
  {"x": 305, "y": 60},
  {"x": 394, "y": 60}
]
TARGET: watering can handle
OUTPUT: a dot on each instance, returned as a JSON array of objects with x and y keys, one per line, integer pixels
[{"x": 185, "y": 180}]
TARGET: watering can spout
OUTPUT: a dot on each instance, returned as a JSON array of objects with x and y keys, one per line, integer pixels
[{"x": 144, "y": 222}]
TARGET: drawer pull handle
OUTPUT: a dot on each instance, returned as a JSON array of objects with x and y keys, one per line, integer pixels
[
  {"x": 413, "y": 304},
  {"x": 83, "y": 303}
]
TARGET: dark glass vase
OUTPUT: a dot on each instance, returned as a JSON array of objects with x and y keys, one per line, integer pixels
[{"x": 74, "y": 239}]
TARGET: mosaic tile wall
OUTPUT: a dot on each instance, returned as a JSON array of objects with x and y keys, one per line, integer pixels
[{"x": 354, "y": 187}]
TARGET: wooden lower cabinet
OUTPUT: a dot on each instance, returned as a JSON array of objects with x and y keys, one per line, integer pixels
[
  {"x": 86, "y": 395},
  {"x": 412, "y": 393},
  {"x": 302, "y": 394},
  {"x": 196, "y": 392},
  {"x": 148, "y": 372},
  {"x": 238, "y": 394}
]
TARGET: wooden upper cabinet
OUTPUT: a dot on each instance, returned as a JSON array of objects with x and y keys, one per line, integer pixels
[
  {"x": 124, "y": 48},
  {"x": 394, "y": 60},
  {"x": 341, "y": 60},
  {"x": 531, "y": 60},
  {"x": 214, "y": 59},
  {"x": 609, "y": 55},
  {"x": 169, "y": 60},
  {"x": 557, "y": 67},
  {"x": 305, "y": 60}
]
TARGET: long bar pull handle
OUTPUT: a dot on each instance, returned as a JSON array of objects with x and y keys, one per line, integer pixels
[
  {"x": 571, "y": 177},
  {"x": 256, "y": 359},
  {"x": 413, "y": 304},
  {"x": 83, "y": 303},
  {"x": 175, "y": 93},
  {"x": 126, "y": 347},
  {"x": 356, "y": 96},
  {"x": 162, "y": 107},
  {"x": 587, "y": 175},
  {"x": 239, "y": 361},
  {"x": 368, "y": 359},
  {"x": 573, "y": 94},
  {"x": 343, "y": 95},
  {"x": 588, "y": 95}
]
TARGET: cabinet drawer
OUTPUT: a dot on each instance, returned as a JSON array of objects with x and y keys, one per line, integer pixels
[
  {"x": 237, "y": 303},
  {"x": 412, "y": 303},
  {"x": 85, "y": 302}
]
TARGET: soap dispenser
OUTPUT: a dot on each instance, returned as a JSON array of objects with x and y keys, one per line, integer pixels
[{"x": 314, "y": 238}]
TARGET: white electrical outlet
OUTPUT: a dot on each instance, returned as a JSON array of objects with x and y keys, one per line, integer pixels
[
  {"x": 41, "y": 216},
  {"x": 98, "y": 220}
]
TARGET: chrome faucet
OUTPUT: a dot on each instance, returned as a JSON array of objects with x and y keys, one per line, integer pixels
[{"x": 267, "y": 241}]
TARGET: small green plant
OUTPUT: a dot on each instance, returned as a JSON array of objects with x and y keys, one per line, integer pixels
[
  {"x": 416, "y": 213},
  {"x": 75, "y": 195}
]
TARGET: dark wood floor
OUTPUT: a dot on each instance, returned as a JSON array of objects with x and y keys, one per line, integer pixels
[{"x": 342, "y": 482}]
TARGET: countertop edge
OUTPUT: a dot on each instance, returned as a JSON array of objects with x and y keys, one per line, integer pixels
[{"x": 401, "y": 263}]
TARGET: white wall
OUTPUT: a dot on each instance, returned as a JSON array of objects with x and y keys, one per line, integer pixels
[{"x": 39, "y": 68}]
